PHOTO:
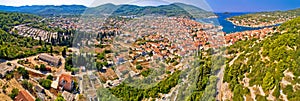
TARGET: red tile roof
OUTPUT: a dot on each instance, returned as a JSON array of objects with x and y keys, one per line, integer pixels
[
  {"x": 65, "y": 81},
  {"x": 24, "y": 96}
]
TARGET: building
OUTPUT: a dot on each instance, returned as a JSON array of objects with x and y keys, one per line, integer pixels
[
  {"x": 68, "y": 96},
  {"x": 54, "y": 61},
  {"x": 39, "y": 89},
  {"x": 65, "y": 82},
  {"x": 24, "y": 95},
  {"x": 4, "y": 69}
]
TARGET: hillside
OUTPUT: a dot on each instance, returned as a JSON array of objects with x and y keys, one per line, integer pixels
[
  {"x": 175, "y": 9},
  {"x": 263, "y": 69},
  {"x": 46, "y": 10},
  {"x": 13, "y": 46},
  {"x": 261, "y": 19}
]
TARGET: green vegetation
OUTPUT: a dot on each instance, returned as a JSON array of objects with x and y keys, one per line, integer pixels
[
  {"x": 8, "y": 64},
  {"x": 13, "y": 46},
  {"x": 266, "y": 17},
  {"x": 105, "y": 95},
  {"x": 128, "y": 93},
  {"x": 46, "y": 83},
  {"x": 175, "y": 9},
  {"x": 292, "y": 26},
  {"x": 200, "y": 84},
  {"x": 60, "y": 98},
  {"x": 43, "y": 67},
  {"x": 50, "y": 77},
  {"x": 204, "y": 84},
  {"x": 267, "y": 61},
  {"x": 101, "y": 56},
  {"x": 14, "y": 93},
  {"x": 38, "y": 99},
  {"x": 23, "y": 72},
  {"x": 146, "y": 72},
  {"x": 64, "y": 52},
  {"x": 139, "y": 67},
  {"x": 47, "y": 10},
  {"x": 9, "y": 76},
  {"x": 27, "y": 85}
]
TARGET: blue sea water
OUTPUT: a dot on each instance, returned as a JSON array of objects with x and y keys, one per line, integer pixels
[{"x": 228, "y": 27}]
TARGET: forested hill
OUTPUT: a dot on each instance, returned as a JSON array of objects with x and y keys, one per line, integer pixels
[
  {"x": 175, "y": 9},
  {"x": 272, "y": 64},
  {"x": 14, "y": 46},
  {"x": 46, "y": 9},
  {"x": 264, "y": 18}
]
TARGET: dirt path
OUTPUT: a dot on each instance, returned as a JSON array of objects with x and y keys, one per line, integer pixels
[
  {"x": 220, "y": 75},
  {"x": 232, "y": 61}
]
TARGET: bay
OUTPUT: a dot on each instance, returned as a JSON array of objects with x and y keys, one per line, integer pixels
[{"x": 228, "y": 27}]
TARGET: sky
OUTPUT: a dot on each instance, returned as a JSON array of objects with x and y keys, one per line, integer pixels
[{"x": 211, "y": 5}]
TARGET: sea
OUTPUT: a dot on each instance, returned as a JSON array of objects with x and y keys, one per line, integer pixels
[{"x": 228, "y": 27}]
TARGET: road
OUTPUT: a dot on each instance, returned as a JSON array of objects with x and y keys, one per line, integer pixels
[
  {"x": 61, "y": 69},
  {"x": 15, "y": 62}
]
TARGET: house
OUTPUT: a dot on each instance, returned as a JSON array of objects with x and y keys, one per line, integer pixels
[
  {"x": 68, "y": 96},
  {"x": 65, "y": 82},
  {"x": 41, "y": 96},
  {"x": 39, "y": 89},
  {"x": 24, "y": 95},
  {"x": 54, "y": 61},
  {"x": 4, "y": 69}
]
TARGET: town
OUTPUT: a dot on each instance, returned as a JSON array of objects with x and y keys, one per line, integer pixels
[{"x": 128, "y": 48}]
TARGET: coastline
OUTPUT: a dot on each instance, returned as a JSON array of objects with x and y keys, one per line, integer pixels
[{"x": 256, "y": 26}]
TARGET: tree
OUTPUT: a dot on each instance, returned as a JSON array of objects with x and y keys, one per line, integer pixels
[
  {"x": 24, "y": 72},
  {"x": 45, "y": 48},
  {"x": 147, "y": 72},
  {"x": 14, "y": 93},
  {"x": 8, "y": 63},
  {"x": 38, "y": 99},
  {"x": 268, "y": 82},
  {"x": 9, "y": 76},
  {"x": 139, "y": 67},
  {"x": 105, "y": 63},
  {"x": 46, "y": 83},
  {"x": 51, "y": 50},
  {"x": 99, "y": 66},
  {"x": 40, "y": 41},
  {"x": 261, "y": 98},
  {"x": 60, "y": 98},
  {"x": 43, "y": 67},
  {"x": 101, "y": 56},
  {"x": 64, "y": 52},
  {"x": 276, "y": 92},
  {"x": 237, "y": 93},
  {"x": 50, "y": 77},
  {"x": 36, "y": 67},
  {"x": 27, "y": 85}
]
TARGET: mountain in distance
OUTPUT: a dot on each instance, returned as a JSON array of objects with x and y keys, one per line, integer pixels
[
  {"x": 174, "y": 9},
  {"x": 46, "y": 9},
  {"x": 149, "y": 3}
]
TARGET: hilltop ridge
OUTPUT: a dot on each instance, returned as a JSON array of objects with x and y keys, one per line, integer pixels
[{"x": 174, "y": 9}]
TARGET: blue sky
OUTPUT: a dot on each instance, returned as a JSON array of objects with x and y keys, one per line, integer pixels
[
  {"x": 212, "y": 5},
  {"x": 252, "y": 5}
]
